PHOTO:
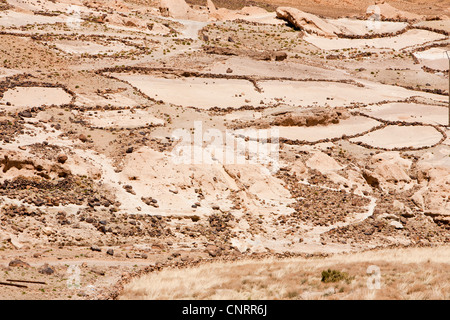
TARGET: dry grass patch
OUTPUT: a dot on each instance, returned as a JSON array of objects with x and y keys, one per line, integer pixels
[{"x": 419, "y": 273}]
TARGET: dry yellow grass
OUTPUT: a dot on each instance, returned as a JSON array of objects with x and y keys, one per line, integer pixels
[{"x": 414, "y": 273}]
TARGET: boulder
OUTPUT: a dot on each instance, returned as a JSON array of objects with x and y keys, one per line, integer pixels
[
  {"x": 280, "y": 56},
  {"x": 417, "y": 198},
  {"x": 371, "y": 178},
  {"x": 433, "y": 173},
  {"x": 396, "y": 224},
  {"x": 96, "y": 248},
  {"x": 62, "y": 158},
  {"x": 323, "y": 163},
  {"x": 15, "y": 242},
  {"x": 26, "y": 114},
  {"x": 391, "y": 172},
  {"x": 391, "y": 167}
]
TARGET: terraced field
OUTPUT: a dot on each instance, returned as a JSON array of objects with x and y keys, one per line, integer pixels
[{"x": 140, "y": 136}]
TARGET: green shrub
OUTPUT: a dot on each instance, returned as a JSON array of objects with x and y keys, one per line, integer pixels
[{"x": 334, "y": 276}]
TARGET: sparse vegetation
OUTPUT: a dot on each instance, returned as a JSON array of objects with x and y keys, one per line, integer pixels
[{"x": 334, "y": 276}]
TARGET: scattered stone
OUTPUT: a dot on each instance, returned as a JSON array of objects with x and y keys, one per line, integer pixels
[
  {"x": 213, "y": 250},
  {"x": 46, "y": 270},
  {"x": 26, "y": 114},
  {"x": 18, "y": 263},
  {"x": 371, "y": 179},
  {"x": 83, "y": 138},
  {"x": 98, "y": 271},
  {"x": 96, "y": 248},
  {"x": 396, "y": 224},
  {"x": 129, "y": 189},
  {"x": 15, "y": 243},
  {"x": 47, "y": 230},
  {"x": 280, "y": 56},
  {"x": 307, "y": 22},
  {"x": 90, "y": 219},
  {"x": 407, "y": 213},
  {"x": 62, "y": 158},
  {"x": 389, "y": 216}
]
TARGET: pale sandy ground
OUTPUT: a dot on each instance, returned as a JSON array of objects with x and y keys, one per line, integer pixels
[
  {"x": 409, "y": 112},
  {"x": 443, "y": 25},
  {"x": 122, "y": 119},
  {"x": 332, "y": 94},
  {"x": 158, "y": 29},
  {"x": 34, "y": 97},
  {"x": 361, "y": 27},
  {"x": 352, "y": 126},
  {"x": 230, "y": 93},
  {"x": 267, "y": 18},
  {"x": 108, "y": 99},
  {"x": 199, "y": 93},
  {"x": 36, "y": 5},
  {"x": 401, "y": 137},
  {"x": 86, "y": 47},
  {"x": 281, "y": 69},
  {"x": 19, "y": 19},
  {"x": 434, "y": 58},
  {"x": 176, "y": 182},
  {"x": 7, "y": 72}
]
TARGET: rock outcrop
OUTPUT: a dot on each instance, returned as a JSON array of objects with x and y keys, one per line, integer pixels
[
  {"x": 307, "y": 22},
  {"x": 433, "y": 197},
  {"x": 178, "y": 9}
]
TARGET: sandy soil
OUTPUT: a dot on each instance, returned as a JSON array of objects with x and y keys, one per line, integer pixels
[
  {"x": 34, "y": 97},
  {"x": 122, "y": 119},
  {"x": 402, "y": 137},
  {"x": 352, "y": 126},
  {"x": 408, "y": 39},
  {"x": 434, "y": 58},
  {"x": 221, "y": 93},
  {"x": 408, "y": 112}
]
